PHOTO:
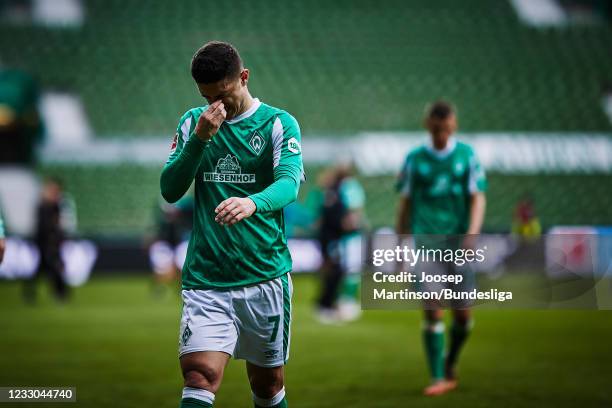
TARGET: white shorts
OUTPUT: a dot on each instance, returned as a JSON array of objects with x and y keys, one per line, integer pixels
[
  {"x": 164, "y": 256},
  {"x": 250, "y": 323}
]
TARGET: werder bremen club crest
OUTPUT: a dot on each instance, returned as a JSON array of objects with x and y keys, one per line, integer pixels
[{"x": 257, "y": 142}]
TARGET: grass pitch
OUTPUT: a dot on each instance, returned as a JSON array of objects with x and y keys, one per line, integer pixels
[{"x": 117, "y": 344}]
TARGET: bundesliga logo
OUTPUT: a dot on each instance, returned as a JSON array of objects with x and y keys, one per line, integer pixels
[{"x": 228, "y": 170}]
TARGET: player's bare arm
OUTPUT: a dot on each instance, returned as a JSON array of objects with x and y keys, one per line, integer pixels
[
  {"x": 403, "y": 215},
  {"x": 477, "y": 212},
  {"x": 401, "y": 222},
  {"x": 2, "y": 246}
]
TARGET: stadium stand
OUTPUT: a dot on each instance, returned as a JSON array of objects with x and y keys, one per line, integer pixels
[
  {"x": 109, "y": 207},
  {"x": 371, "y": 69}
]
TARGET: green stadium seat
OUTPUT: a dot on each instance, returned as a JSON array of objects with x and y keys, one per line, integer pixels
[{"x": 340, "y": 67}]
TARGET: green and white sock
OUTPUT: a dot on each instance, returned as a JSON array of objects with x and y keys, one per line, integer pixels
[
  {"x": 350, "y": 287},
  {"x": 197, "y": 398},
  {"x": 459, "y": 333},
  {"x": 433, "y": 339},
  {"x": 277, "y": 401}
]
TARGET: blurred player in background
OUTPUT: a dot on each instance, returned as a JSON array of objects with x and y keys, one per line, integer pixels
[
  {"x": 246, "y": 159},
  {"x": 441, "y": 189},
  {"x": 2, "y": 239},
  {"x": 50, "y": 233},
  {"x": 340, "y": 237},
  {"x": 167, "y": 249},
  {"x": 21, "y": 127}
]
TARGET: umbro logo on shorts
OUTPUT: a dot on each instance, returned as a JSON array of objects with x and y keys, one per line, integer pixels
[{"x": 271, "y": 354}]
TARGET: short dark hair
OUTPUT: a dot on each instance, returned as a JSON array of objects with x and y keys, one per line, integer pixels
[
  {"x": 214, "y": 61},
  {"x": 440, "y": 110}
]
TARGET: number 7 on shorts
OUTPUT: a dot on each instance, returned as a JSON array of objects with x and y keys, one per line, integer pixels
[{"x": 276, "y": 320}]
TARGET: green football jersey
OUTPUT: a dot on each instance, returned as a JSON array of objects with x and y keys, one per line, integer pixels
[
  {"x": 351, "y": 194},
  {"x": 239, "y": 161},
  {"x": 440, "y": 185}
]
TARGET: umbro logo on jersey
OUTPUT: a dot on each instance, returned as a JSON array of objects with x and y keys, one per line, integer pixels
[
  {"x": 228, "y": 170},
  {"x": 257, "y": 142}
]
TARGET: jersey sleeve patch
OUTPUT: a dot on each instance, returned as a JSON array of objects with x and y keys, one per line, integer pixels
[
  {"x": 293, "y": 145},
  {"x": 174, "y": 143}
]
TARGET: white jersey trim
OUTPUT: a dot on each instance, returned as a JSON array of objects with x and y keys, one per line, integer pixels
[
  {"x": 277, "y": 141},
  {"x": 245, "y": 114},
  {"x": 444, "y": 153},
  {"x": 278, "y": 135},
  {"x": 185, "y": 128}
]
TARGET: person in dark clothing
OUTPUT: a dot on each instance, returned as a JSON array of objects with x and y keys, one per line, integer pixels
[
  {"x": 330, "y": 232},
  {"x": 341, "y": 223},
  {"x": 167, "y": 248},
  {"x": 2, "y": 240},
  {"x": 49, "y": 237}
]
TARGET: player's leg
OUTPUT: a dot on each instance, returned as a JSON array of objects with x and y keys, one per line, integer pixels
[
  {"x": 268, "y": 385},
  {"x": 263, "y": 316},
  {"x": 459, "y": 332},
  {"x": 202, "y": 374},
  {"x": 433, "y": 340},
  {"x": 461, "y": 324},
  {"x": 207, "y": 339},
  {"x": 351, "y": 260},
  {"x": 161, "y": 258},
  {"x": 30, "y": 284},
  {"x": 433, "y": 328},
  {"x": 333, "y": 275},
  {"x": 56, "y": 275}
]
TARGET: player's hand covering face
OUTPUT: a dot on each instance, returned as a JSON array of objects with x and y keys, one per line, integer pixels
[
  {"x": 230, "y": 92},
  {"x": 233, "y": 210},
  {"x": 210, "y": 121}
]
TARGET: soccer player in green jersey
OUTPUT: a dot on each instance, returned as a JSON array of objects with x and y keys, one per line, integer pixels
[
  {"x": 442, "y": 189},
  {"x": 246, "y": 160}
]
